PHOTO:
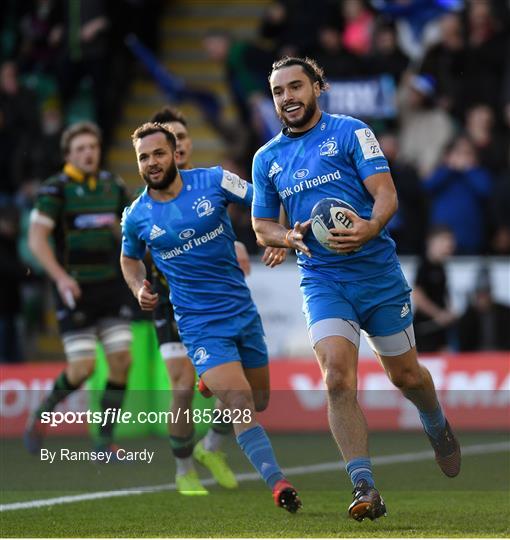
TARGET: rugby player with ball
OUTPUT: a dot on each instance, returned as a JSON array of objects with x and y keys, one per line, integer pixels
[{"x": 334, "y": 182}]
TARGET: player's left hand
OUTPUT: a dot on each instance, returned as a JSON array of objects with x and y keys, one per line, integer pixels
[
  {"x": 273, "y": 256},
  {"x": 348, "y": 240}
]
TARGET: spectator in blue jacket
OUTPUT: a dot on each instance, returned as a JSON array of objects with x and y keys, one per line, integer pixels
[{"x": 458, "y": 192}]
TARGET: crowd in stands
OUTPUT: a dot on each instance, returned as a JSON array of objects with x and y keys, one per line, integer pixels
[
  {"x": 448, "y": 143},
  {"x": 60, "y": 61}
]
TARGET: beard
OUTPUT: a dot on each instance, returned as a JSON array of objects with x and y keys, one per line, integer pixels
[
  {"x": 167, "y": 180},
  {"x": 310, "y": 109}
]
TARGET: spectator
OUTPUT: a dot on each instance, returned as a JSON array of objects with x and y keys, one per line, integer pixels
[
  {"x": 290, "y": 24},
  {"x": 337, "y": 61},
  {"x": 506, "y": 91},
  {"x": 417, "y": 21},
  {"x": 36, "y": 52},
  {"x": 488, "y": 43},
  {"x": 420, "y": 117},
  {"x": 11, "y": 275},
  {"x": 139, "y": 17},
  {"x": 484, "y": 326},
  {"x": 247, "y": 66},
  {"x": 11, "y": 13},
  {"x": 19, "y": 127},
  {"x": 446, "y": 61},
  {"x": 430, "y": 294},
  {"x": 82, "y": 37},
  {"x": 387, "y": 56},
  {"x": 493, "y": 146},
  {"x": 459, "y": 191},
  {"x": 358, "y": 26},
  {"x": 274, "y": 26},
  {"x": 408, "y": 225},
  {"x": 46, "y": 153},
  {"x": 500, "y": 215}
]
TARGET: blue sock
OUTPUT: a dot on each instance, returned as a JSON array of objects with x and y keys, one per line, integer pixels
[
  {"x": 433, "y": 422},
  {"x": 360, "y": 469},
  {"x": 256, "y": 445}
]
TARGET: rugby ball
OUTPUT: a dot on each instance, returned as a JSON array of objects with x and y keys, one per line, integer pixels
[{"x": 329, "y": 214}]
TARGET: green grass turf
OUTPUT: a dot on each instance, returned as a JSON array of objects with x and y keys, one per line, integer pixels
[{"x": 421, "y": 502}]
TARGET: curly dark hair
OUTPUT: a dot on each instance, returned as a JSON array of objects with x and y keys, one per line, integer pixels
[{"x": 314, "y": 72}]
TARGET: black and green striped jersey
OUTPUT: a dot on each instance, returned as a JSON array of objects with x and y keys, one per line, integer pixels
[{"x": 86, "y": 215}]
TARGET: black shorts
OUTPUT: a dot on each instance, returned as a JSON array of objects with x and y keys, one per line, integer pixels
[{"x": 103, "y": 300}]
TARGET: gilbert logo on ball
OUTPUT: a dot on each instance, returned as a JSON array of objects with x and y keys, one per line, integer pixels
[{"x": 329, "y": 214}]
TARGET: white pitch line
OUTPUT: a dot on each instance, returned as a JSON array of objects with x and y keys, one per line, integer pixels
[{"x": 413, "y": 457}]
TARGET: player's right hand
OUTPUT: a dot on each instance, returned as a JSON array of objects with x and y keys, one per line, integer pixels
[
  {"x": 147, "y": 299},
  {"x": 445, "y": 318},
  {"x": 69, "y": 290},
  {"x": 273, "y": 256},
  {"x": 294, "y": 237}
]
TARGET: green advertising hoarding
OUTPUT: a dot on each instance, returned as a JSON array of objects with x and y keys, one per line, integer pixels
[{"x": 148, "y": 388}]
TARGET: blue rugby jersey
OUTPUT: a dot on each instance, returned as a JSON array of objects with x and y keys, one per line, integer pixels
[
  {"x": 191, "y": 241},
  {"x": 331, "y": 160}
]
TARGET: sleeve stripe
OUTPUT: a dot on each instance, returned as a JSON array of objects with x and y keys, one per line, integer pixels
[
  {"x": 259, "y": 211},
  {"x": 368, "y": 169}
]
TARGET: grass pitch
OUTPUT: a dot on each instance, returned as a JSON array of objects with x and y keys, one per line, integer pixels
[{"x": 421, "y": 501}]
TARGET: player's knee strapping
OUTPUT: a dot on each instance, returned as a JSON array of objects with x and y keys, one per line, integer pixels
[
  {"x": 169, "y": 351},
  {"x": 80, "y": 345},
  {"x": 115, "y": 336}
]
